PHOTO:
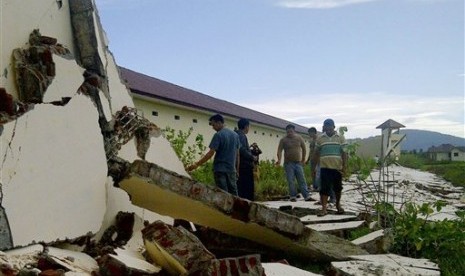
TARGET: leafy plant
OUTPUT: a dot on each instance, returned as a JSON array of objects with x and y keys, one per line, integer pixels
[
  {"x": 188, "y": 154},
  {"x": 178, "y": 140},
  {"x": 440, "y": 241}
]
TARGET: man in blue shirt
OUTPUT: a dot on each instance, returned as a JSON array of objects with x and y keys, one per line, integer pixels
[{"x": 225, "y": 146}]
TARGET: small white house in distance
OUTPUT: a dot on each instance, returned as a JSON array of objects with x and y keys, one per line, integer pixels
[
  {"x": 446, "y": 152},
  {"x": 166, "y": 104},
  {"x": 457, "y": 154}
]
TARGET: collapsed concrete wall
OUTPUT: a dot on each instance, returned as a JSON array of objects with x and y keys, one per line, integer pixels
[
  {"x": 57, "y": 74},
  {"x": 66, "y": 121}
]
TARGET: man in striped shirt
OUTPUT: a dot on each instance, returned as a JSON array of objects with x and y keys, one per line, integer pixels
[{"x": 330, "y": 153}]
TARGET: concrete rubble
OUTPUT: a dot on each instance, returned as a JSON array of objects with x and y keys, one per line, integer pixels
[
  {"x": 90, "y": 187},
  {"x": 389, "y": 264},
  {"x": 404, "y": 185}
]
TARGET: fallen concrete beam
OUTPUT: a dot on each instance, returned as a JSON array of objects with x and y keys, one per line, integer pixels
[{"x": 168, "y": 193}]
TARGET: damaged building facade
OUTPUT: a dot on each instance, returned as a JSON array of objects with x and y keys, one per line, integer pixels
[
  {"x": 89, "y": 186},
  {"x": 167, "y": 104}
]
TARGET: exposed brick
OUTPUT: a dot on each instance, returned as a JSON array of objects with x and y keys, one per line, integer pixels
[{"x": 180, "y": 244}]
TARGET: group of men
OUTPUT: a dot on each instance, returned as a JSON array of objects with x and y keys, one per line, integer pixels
[{"x": 234, "y": 161}]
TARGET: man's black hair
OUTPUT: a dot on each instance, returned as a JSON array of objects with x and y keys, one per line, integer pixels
[
  {"x": 289, "y": 126},
  {"x": 216, "y": 118},
  {"x": 312, "y": 129},
  {"x": 243, "y": 123}
]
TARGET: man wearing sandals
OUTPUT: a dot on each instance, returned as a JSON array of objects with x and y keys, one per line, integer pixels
[{"x": 330, "y": 154}]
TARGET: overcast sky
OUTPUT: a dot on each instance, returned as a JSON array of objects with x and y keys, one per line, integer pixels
[{"x": 359, "y": 62}]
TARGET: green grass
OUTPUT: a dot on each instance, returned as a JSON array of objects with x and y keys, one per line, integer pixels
[{"x": 453, "y": 172}]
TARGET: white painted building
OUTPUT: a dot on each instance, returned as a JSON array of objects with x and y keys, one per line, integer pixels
[
  {"x": 458, "y": 154},
  {"x": 446, "y": 152},
  {"x": 167, "y": 104}
]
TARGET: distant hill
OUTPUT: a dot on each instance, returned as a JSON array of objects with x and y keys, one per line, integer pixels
[{"x": 419, "y": 140}]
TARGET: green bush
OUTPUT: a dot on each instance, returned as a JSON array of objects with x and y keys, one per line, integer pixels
[
  {"x": 440, "y": 241},
  {"x": 272, "y": 182},
  {"x": 453, "y": 172}
]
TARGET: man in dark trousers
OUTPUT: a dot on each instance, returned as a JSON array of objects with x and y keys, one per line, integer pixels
[
  {"x": 245, "y": 182},
  {"x": 225, "y": 147}
]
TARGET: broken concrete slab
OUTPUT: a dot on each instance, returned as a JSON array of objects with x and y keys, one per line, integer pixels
[
  {"x": 72, "y": 260},
  {"x": 156, "y": 189},
  {"x": 314, "y": 219},
  {"x": 27, "y": 258},
  {"x": 336, "y": 226},
  {"x": 279, "y": 269},
  {"x": 389, "y": 264},
  {"x": 134, "y": 263},
  {"x": 377, "y": 242},
  {"x": 17, "y": 259}
]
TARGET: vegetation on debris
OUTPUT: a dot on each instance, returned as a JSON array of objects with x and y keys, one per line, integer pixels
[{"x": 440, "y": 241}]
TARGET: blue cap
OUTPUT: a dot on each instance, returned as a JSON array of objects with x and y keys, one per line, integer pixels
[{"x": 328, "y": 122}]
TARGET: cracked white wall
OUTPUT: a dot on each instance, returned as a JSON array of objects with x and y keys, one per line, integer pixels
[{"x": 53, "y": 172}]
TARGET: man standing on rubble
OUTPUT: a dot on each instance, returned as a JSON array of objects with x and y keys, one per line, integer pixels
[
  {"x": 294, "y": 149},
  {"x": 330, "y": 154},
  {"x": 225, "y": 146}
]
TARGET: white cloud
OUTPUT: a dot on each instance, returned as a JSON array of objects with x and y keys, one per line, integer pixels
[
  {"x": 362, "y": 113},
  {"x": 319, "y": 4}
]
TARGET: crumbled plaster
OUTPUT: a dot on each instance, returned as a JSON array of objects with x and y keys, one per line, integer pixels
[{"x": 35, "y": 67}]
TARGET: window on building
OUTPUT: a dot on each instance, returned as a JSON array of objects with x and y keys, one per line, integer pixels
[
  {"x": 176, "y": 117},
  {"x": 194, "y": 121},
  {"x": 255, "y": 132},
  {"x": 271, "y": 134},
  {"x": 154, "y": 113},
  {"x": 263, "y": 133},
  {"x": 456, "y": 154}
]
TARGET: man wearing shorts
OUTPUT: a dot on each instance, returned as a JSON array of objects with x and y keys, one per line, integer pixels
[{"x": 330, "y": 154}]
